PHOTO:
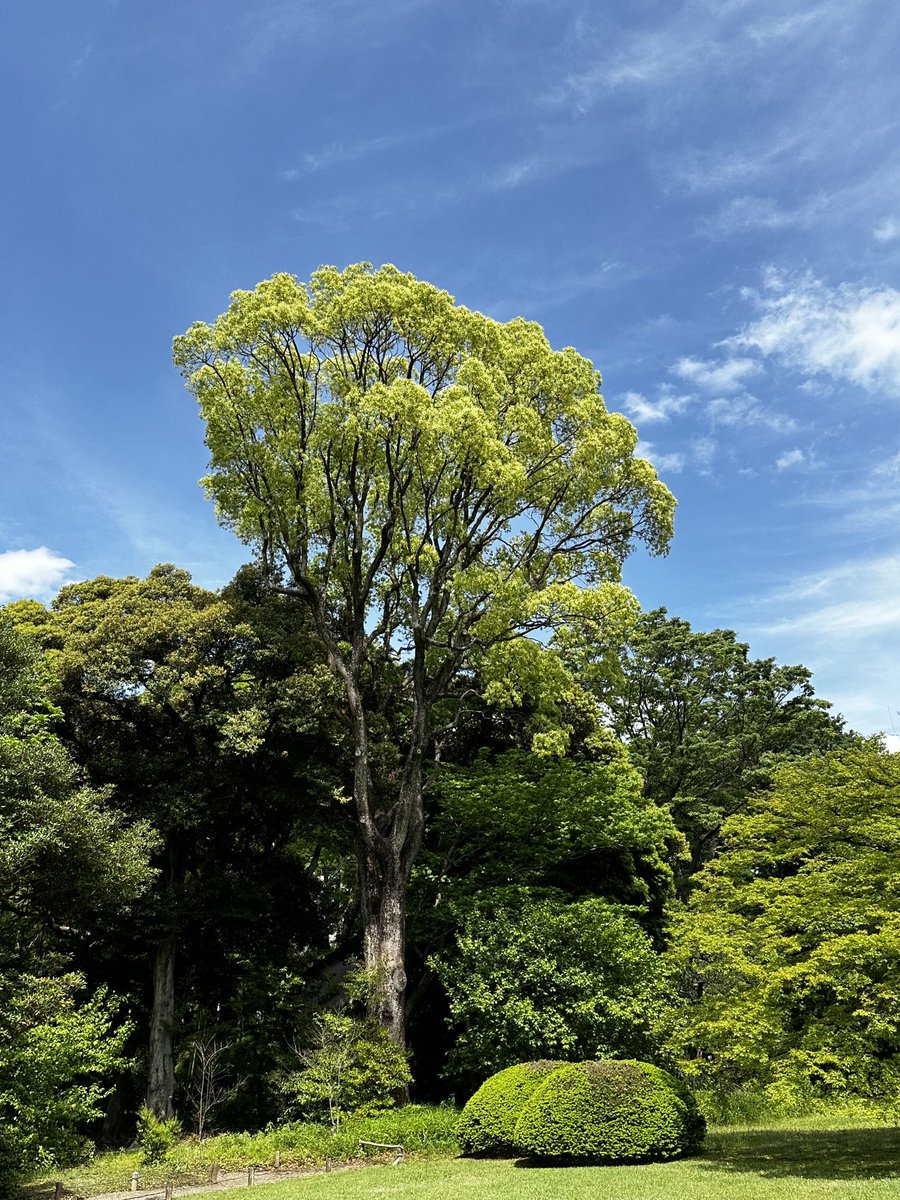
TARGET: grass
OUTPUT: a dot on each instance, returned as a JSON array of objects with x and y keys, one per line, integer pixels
[{"x": 802, "y": 1159}]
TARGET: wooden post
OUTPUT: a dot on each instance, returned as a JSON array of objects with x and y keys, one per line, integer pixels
[
  {"x": 277, "y": 1160},
  {"x": 168, "y": 1189},
  {"x": 251, "y": 1176},
  {"x": 327, "y": 1164},
  {"x": 57, "y": 1195},
  {"x": 214, "y": 1172},
  {"x": 135, "y": 1180}
]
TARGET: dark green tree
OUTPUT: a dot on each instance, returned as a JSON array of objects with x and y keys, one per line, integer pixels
[
  {"x": 68, "y": 859},
  {"x": 705, "y": 723},
  {"x": 174, "y": 700}
]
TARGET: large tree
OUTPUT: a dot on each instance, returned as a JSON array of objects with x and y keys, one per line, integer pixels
[{"x": 439, "y": 491}]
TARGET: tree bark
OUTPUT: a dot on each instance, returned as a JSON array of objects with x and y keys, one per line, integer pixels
[
  {"x": 383, "y": 904},
  {"x": 161, "y": 1075}
]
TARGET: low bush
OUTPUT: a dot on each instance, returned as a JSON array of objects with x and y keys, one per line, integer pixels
[
  {"x": 612, "y": 1111},
  {"x": 488, "y": 1121},
  {"x": 156, "y": 1136}
]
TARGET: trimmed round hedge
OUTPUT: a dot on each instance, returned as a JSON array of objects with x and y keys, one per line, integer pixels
[
  {"x": 614, "y": 1111},
  {"x": 489, "y": 1119}
]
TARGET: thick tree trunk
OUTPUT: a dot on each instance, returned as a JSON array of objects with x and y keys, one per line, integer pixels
[
  {"x": 161, "y": 1076},
  {"x": 383, "y": 897}
]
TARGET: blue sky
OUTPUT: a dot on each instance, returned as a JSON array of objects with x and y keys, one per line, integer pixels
[{"x": 702, "y": 197}]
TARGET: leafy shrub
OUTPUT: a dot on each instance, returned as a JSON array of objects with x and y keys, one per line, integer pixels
[
  {"x": 488, "y": 1121},
  {"x": 156, "y": 1136},
  {"x": 615, "y": 1111},
  {"x": 54, "y": 1049},
  {"x": 352, "y": 1066}
]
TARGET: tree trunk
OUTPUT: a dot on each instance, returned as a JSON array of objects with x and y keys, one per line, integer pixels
[
  {"x": 161, "y": 1076},
  {"x": 383, "y": 902}
]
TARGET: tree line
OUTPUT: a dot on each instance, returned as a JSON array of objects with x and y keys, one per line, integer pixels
[{"x": 426, "y": 732}]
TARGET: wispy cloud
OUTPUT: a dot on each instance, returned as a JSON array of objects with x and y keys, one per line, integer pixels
[
  {"x": 712, "y": 376},
  {"x": 850, "y": 332},
  {"x": 745, "y": 412},
  {"x": 645, "y": 412},
  {"x": 31, "y": 573},
  {"x": 672, "y": 463},
  {"x": 853, "y": 600},
  {"x": 790, "y": 458},
  {"x": 274, "y": 27},
  {"x": 746, "y": 214},
  {"x": 335, "y": 154},
  {"x": 887, "y": 230}
]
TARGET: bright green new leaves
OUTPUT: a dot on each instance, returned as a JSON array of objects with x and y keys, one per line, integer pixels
[
  {"x": 415, "y": 469},
  {"x": 53, "y": 1054},
  {"x": 525, "y": 824},
  {"x": 791, "y": 948}
]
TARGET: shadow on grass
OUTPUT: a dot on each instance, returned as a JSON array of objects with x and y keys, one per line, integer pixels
[{"x": 868, "y": 1152}]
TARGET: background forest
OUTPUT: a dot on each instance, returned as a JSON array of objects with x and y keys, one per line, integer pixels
[{"x": 621, "y": 837}]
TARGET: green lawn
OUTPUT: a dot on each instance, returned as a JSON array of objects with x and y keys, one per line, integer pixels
[
  {"x": 804, "y": 1159},
  {"x": 805, "y": 1163}
]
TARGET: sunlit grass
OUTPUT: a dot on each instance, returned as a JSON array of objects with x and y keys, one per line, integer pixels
[{"x": 802, "y": 1159}]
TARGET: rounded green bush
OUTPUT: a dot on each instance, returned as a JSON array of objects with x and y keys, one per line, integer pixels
[
  {"x": 489, "y": 1119},
  {"x": 612, "y": 1111}
]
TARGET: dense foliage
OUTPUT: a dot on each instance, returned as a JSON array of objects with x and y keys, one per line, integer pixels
[
  {"x": 790, "y": 952},
  {"x": 488, "y": 1121},
  {"x": 613, "y": 1111}
]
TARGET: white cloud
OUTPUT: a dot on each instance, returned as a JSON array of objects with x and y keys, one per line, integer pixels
[
  {"x": 744, "y": 412},
  {"x": 790, "y": 458},
  {"x": 887, "y": 230},
  {"x": 849, "y": 332},
  {"x": 663, "y": 462},
  {"x": 704, "y": 452},
  {"x": 644, "y": 411},
  {"x": 25, "y": 573},
  {"x": 891, "y": 742},
  {"x": 727, "y": 376}
]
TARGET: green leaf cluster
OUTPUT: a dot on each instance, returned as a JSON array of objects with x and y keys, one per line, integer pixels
[
  {"x": 56, "y": 1052},
  {"x": 789, "y": 954}
]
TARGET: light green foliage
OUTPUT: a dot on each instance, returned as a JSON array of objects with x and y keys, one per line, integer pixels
[
  {"x": 705, "y": 723},
  {"x": 350, "y": 1067},
  {"x": 488, "y": 1121},
  {"x": 156, "y": 1136},
  {"x": 55, "y": 1051},
  {"x": 790, "y": 952},
  {"x": 420, "y": 469},
  {"x": 612, "y": 1111},
  {"x": 549, "y": 978}
]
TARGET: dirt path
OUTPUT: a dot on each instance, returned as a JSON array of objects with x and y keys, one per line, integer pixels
[{"x": 227, "y": 1181}]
